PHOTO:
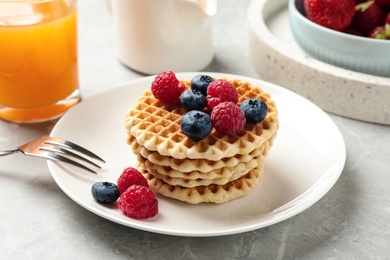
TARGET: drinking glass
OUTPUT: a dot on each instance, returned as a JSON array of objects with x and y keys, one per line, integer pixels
[{"x": 38, "y": 59}]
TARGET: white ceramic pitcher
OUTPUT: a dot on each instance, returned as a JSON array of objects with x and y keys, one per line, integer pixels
[{"x": 157, "y": 35}]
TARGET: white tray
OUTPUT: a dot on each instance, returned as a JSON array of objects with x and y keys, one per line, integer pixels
[{"x": 278, "y": 59}]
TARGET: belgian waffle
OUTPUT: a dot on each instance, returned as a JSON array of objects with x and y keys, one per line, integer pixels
[
  {"x": 223, "y": 174},
  {"x": 201, "y": 165},
  {"x": 206, "y": 193},
  {"x": 156, "y": 126},
  {"x": 191, "y": 183}
]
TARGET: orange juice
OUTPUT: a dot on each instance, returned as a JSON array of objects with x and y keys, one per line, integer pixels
[{"x": 38, "y": 59}]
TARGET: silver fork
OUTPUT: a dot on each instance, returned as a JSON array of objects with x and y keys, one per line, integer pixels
[{"x": 57, "y": 149}]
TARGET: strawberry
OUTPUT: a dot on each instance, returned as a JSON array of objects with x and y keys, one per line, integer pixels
[
  {"x": 368, "y": 16},
  {"x": 381, "y": 32},
  {"x": 333, "y": 14},
  {"x": 354, "y": 31},
  {"x": 382, "y": 2}
]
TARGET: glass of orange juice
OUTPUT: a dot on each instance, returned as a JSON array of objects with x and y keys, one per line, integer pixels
[{"x": 38, "y": 59}]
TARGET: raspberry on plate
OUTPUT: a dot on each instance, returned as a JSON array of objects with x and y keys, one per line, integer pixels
[
  {"x": 166, "y": 87},
  {"x": 138, "y": 202},
  {"x": 228, "y": 118},
  {"x": 333, "y": 14},
  {"x": 131, "y": 176},
  {"x": 220, "y": 91}
]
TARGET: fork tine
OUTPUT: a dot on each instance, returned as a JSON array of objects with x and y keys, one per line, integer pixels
[
  {"x": 55, "y": 149},
  {"x": 71, "y": 145},
  {"x": 60, "y": 158}
]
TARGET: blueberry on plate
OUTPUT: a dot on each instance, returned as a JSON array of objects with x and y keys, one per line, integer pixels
[
  {"x": 193, "y": 99},
  {"x": 201, "y": 82},
  {"x": 197, "y": 125},
  {"x": 105, "y": 192},
  {"x": 255, "y": 110}
]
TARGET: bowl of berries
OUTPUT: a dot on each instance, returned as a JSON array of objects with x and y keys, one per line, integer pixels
[{"x": 351, "y": 34}]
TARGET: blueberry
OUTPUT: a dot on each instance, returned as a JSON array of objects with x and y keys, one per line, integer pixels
[
  {"x": 201, "y": 82},
  {"x": 193, "y": 100},
  {"x": 255, "y": 110},
  {"x": 105, "y": 192},
  {"x": 196, "y": 125}
]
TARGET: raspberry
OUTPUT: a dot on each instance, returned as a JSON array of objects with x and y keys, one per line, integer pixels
[
  {"x": 138, "y": 202},
  {"x": 131, "y": 176},
  {"x": 220, "y": 91},
  {"x": 228, "y": 118},
  {"x": 166, "y": 87}
]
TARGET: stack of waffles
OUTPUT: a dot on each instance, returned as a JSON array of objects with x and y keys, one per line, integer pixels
[{"x": 216, "y": 169}]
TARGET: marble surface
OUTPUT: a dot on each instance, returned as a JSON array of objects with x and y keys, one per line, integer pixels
[{"x": 38, "y": 221}]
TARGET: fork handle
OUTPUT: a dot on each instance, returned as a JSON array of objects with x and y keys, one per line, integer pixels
[{"x": 7, "y": 152}]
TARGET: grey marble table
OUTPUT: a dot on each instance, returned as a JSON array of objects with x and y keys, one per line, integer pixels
[{"x": 38, "y": 221}]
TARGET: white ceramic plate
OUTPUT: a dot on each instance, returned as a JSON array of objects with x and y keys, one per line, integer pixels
[{"x": 307, "y": 158}]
